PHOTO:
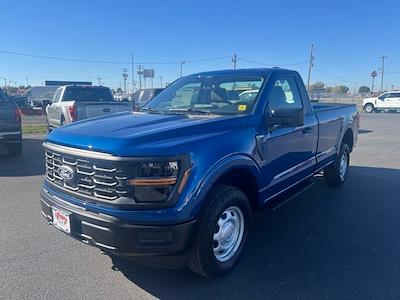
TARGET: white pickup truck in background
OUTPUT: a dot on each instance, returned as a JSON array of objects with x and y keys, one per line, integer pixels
[
  {"x": 74, "y": 103},
  {"x": 386, "y": 101}
]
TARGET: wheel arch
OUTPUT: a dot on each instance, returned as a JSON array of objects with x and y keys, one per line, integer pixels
[
  {"x": 239, "y": 171},
  {"x": 347, "y": 137}
]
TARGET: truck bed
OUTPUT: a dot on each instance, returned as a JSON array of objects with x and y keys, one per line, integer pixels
[
  {"x": 86, "y": 110},
  {"x": 329, "y": 106},
  {"x": 331, "y": 121}
]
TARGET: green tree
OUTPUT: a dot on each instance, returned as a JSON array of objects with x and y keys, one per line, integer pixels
[
  {"x": 317, "y": 85},
  {"x": 364, "y": 89},
  {"x": 340, "y": 89}
]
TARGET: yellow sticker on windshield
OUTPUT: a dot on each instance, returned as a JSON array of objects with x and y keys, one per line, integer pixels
[{"x": 242, "y": 107}]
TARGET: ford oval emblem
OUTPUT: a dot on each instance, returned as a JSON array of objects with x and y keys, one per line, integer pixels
[{"x": 66, "y": 172}]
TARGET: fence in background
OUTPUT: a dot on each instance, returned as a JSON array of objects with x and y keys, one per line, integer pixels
[{"x": 337, "y": 98}]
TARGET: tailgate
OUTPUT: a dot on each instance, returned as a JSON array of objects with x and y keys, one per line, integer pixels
[
  {"x": 7, "y": 116},
  {"x": 95, "y": 109}
]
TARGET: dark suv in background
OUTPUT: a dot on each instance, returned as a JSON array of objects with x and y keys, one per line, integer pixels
[{"x": 10, "y": 125}]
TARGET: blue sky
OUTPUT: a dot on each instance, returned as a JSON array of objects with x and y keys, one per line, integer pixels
[{"x": 349, "y": 37}]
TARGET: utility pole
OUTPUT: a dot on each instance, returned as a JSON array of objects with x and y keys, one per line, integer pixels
[
  {"x": 310, "y": 65},
  {"x": 383, "y": 70},
  {"x": 140, "y": 72},
  {"x": 5, "y": 83},
  {"x": 182, "y": 63},
  {"x": 27, "y": 81},
  {"x": 373, "y": 75},
  {"x": 125, "y": 77},
  {"x": 99, "y": 79},
  {"x": 133, "y": 75},
  {"x": 234, "y": 60},
  {"x": 161, "y": 81}
]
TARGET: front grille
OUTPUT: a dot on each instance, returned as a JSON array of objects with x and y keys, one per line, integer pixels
[{"x": 96, "y": 179}]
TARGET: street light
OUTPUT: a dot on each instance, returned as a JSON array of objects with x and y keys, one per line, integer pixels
[
  {"x": 373, "y": 75},
  {"x": 182, "y": 63}
]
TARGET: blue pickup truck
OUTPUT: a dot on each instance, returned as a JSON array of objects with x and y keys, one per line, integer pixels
[{"x": 183, "y": 174}]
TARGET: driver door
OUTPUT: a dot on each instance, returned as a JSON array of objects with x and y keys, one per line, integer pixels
[
  {"x": 287, "y": 151},
  {"x": 395, "y": 100},
  {"x": 384, "y": 101}
]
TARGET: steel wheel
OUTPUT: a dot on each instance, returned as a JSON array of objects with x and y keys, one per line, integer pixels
[
  {"x": 228, "y": 233},
  {"x": 369, "y": 108},
  {"x": 344, "y": 162}
]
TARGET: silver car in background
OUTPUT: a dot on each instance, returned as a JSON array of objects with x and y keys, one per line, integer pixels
[{"x": 74, "y": 103}]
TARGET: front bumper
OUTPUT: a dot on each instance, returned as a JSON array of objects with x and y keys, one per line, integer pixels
[{"x": 110, "y": 234}]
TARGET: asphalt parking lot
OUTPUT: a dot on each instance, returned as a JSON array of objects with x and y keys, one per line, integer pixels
[{"x": 328, "y": 243}]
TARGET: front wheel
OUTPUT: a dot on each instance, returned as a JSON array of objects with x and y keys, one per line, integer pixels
[
  {"x": 369, "y": 108},
  {"x": 336, "y": 173},
  {"x": 222, "y": 232}
]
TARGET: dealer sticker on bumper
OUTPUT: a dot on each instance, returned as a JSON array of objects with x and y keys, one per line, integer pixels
[{"x": 61, "y": 220}]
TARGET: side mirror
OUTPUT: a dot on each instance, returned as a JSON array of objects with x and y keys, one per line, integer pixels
[{"x": 290, "y": 117}]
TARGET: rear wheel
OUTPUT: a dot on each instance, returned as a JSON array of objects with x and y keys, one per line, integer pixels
[
  {"x": 222, "y": 232},
  {"x": 336, "y": 173},
  {"x": 369, "y": 108}
]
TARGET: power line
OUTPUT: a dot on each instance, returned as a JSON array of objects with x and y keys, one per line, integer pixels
[
  {"x": 207, "y": 59},
  {"x": 269, "y": 64},
  {"x": 109, "y": 62},
  {"x": 60, "y": 58}
]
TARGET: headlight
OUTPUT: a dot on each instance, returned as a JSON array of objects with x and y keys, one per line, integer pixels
[{"x": 155, "y": 181}]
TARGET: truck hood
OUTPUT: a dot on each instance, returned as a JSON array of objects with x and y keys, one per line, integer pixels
[{"x": 143, "y": 134}]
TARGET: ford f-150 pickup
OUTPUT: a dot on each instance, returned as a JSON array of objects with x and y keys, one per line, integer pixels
[
  {"x": 73, "y": 103},
  {"x": 183, "y": 174},
  {"x": 10, "y": 125}
]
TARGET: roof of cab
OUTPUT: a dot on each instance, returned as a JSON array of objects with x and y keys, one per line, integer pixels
[{"x": 249, "y": 72}]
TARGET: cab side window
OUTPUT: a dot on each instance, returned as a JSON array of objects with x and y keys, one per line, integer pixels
[
  {"x": 285, "y": 95},
  {"x": 57, "y": 96},
  {"x": 395, "y": 95}
]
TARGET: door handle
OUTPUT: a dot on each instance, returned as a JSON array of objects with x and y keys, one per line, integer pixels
[{"x": 307, "y": 130}]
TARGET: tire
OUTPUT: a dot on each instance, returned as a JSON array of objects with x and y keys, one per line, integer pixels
[
  {"x": 336, "y": 173},
  {"x": 229, "y": 207},
  {"x": 15, "y": 149},
  {"x": 369, "y": 108}
]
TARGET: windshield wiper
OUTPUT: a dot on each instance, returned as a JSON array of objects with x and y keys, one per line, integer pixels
[
  {"x": 151, "y": 110},
  {"x": 191, "y": 110}
]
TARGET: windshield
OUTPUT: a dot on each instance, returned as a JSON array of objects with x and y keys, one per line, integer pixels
[
  {"x": 212, "y": 95},
  {"x": 87, "y": 94}
]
